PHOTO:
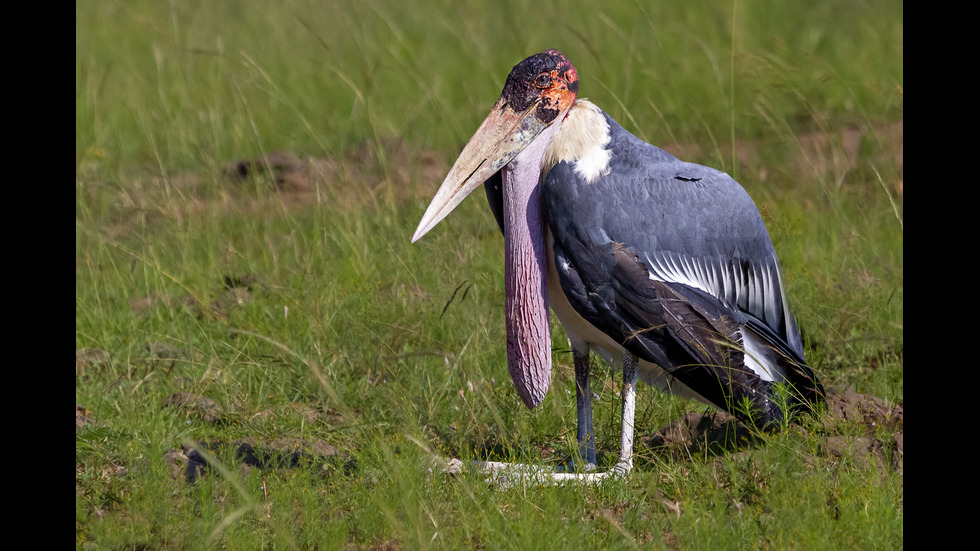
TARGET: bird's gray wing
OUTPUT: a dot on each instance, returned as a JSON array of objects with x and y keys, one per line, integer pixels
[{"x": 673, "y": 261}]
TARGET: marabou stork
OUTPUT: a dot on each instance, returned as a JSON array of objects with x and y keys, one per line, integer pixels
[{"x": 662, "y": 266}]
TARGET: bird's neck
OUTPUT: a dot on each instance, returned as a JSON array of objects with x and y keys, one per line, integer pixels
[{"x": 582, "y": 140}]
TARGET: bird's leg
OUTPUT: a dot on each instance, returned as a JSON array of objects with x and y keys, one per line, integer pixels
[
  {"x": 625, "y": 463},
  {"x": 508, "y": 474},
  {"x": 583, "y": 403}
]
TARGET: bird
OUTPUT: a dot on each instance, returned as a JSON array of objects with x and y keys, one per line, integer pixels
[{"x": 660, "y": 266}]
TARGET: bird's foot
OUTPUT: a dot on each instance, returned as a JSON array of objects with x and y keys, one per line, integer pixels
[
  {"x": 622, "y": 468},
  {"x": 508, "y": 475}
]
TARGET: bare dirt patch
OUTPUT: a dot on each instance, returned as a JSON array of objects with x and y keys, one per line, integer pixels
[
  {"x": 388, "y": 170},
  {"x": 856, "y": 427}
]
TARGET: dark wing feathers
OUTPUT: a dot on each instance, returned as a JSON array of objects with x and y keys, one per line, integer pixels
[
  {"x": 495, "y": 197},
  {"x": 673, "y": 326}
]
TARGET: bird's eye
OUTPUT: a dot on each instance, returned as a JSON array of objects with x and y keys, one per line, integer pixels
[{"x": 542, "y": 81}]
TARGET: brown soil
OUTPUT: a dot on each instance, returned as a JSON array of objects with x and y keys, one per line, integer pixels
[{"x": 856, "y": 427}]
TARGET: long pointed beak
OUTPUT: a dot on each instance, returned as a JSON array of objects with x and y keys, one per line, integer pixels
[{"x": 502, "y": 135}]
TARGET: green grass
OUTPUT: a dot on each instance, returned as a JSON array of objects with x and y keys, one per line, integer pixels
[{"x": 354, "y": 337}]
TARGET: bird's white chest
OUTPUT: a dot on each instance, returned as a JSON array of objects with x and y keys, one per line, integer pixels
[{"x": 582, "y": 334}]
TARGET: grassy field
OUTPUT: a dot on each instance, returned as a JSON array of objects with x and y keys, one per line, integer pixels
[{"x": 220, "y": 298}]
